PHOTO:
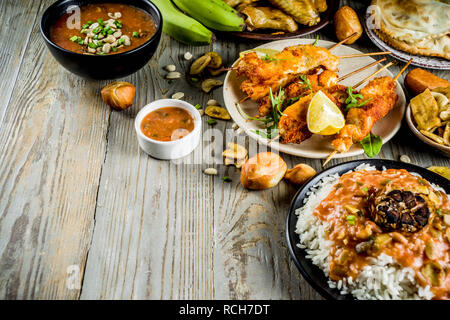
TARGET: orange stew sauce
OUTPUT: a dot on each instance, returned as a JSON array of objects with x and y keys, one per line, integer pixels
[
  {"x": 167, "y": 124},
  {"x": 132, "y": 20},
  {"x": 352, "y": 190}
]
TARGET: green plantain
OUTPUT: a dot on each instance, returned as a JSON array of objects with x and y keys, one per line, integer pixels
[
  {"x": 181, "y": 27},
  {"x": 214, "y": 14}
]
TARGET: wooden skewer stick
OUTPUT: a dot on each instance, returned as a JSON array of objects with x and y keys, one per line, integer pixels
[
  {"x": 403, "y": 69},
  {"x": 244, "y": 99},
  {"x": 364, "y": 54},
  {"x": 329, "y": 158},
  {"x": 373, "y": 74},
  {"x": 273, "y": 139},
  {"x": 361, "y": 69},
  {"x": 342, "y": 41}
]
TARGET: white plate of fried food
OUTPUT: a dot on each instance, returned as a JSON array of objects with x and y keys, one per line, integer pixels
[
  {"x": 385, "y": 95},
  {"x": 418, "y": 29}
]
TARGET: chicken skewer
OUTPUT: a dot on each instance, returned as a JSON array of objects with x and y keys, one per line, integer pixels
[
  {"x": 359, "y": 121},
  {"x": 326, "y": 79},
  {"x": 262, "y": 75},
  {"x": 281, "y": 68},
  {"x": 275, "y": 72}
]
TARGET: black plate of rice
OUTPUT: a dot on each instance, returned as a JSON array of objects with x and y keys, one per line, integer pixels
[{"x": 312, "y": 273}]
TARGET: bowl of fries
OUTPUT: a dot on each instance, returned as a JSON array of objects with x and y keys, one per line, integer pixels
[{"x": 428, "y": 117}]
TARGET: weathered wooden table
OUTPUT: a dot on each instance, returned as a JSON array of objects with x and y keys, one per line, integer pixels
[{"x": 84, "y": 214}]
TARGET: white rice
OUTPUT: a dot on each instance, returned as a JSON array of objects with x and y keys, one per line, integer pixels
[{"x": 382, "y": 279}]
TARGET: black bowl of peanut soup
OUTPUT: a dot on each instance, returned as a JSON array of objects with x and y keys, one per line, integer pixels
[{"x": 102, "y": 40}]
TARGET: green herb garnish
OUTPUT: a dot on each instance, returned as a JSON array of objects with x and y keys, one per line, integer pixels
[
  {"x": 352, "y": 102},
  {"x": 212, "y": 121},
  {"x": 226, "y": 179},
  {"x": 439, "y": 212},
  {"x": 268, "y": 58},
  {"x": 73, "y": 39},
  {"x": 194, "y": 79},
  {"x": 135, "y": 34},
  {"x": 270, "y": 121},
  {"x": 291, "y": 101},
  {"x": 304, "y": 80},
  {"x": 198, "y": 106},
  {"x": 371, "y": 145},
  {"x": 365, "y": 189},
  {"x": 114, "y": 49},
  {"x": 316, "y": 41},
  {"x": 351, "y": 220}
]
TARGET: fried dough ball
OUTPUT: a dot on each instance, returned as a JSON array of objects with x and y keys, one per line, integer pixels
[{"x": 263, "y": 171}]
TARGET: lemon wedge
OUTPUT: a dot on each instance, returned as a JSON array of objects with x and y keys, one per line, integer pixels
[
  {"x": 443, "y": 171},
  {"x": 261, "y": 52},
  {"x": 324, "y": 117}
]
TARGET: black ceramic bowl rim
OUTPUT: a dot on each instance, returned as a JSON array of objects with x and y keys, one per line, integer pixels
[
  {"x": 158, "y": 25},
  {"x": 315, "y": 276}
]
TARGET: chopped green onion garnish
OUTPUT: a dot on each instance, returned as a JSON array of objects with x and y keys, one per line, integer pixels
[
  {"x": 89, "y": 22},
  {"x": 212, "y": 121},
  {"x": 74, "y": 38},
  {"x": 95, "y": 37},
  {"x": 193, "y": 79},
  {"x": 120, "y": 41},
  {"x": 439, "y": 212},
  {"x": 198, "y": 106},
  {"x": 135, "y": 34},
  {"x": 99, "y": 43},
  {"x": 226, "y": 179},
  {"x": 365, "y": 189},
  {"x": 351, "y": 220},
  {"x": 100, "y": 22},
  {"x": 84, "y": 26},
  {"x": 92, "y": 45},
  {"x": 114, "y": 49}
]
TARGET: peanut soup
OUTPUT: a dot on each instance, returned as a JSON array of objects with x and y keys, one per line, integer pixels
[{"x": 106, "y": 28}]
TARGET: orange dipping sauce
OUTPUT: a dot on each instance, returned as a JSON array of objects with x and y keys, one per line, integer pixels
[{"x": 167, "y": 124}]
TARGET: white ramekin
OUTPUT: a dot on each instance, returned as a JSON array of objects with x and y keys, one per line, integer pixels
[{"x": 168, "y": 150}]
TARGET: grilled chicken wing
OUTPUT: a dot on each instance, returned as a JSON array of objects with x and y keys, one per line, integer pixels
[
  {"x": 268, "y": 18},
  {"x": 303, "y": 11},
  {"x": 234, "y": 3},
  {"x": 320, "y": 5}
]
